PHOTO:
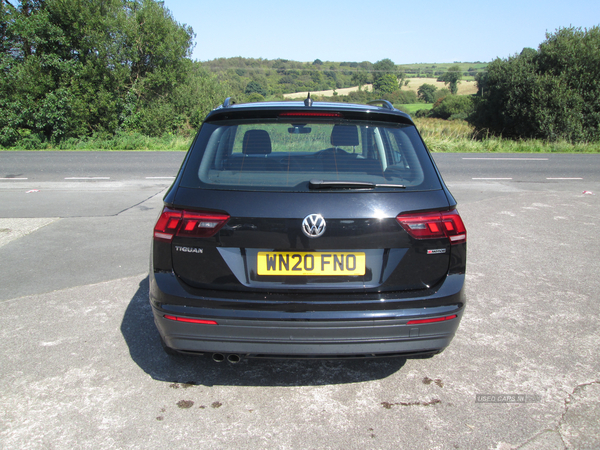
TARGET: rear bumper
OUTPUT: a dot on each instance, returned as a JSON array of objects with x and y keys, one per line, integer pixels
[
  {"x": 376, "y": 328},
  {"x": 281, "y": 338}
]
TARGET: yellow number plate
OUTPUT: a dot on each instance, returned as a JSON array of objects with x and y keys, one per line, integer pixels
[{"x": 313, "y": 263}]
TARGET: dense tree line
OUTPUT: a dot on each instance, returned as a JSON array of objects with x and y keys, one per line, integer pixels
[
  {"x": 397, "y": 97},
  {"x": 79, "y": 69},
  {"x": 73, "y": 68},
  {"x": 256, "y": 79},
  {"x": 552, "y": 93},
  {"x": 273, "y": 78}
]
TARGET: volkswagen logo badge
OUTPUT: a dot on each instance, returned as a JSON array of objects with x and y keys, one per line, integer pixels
[{"x": 313, "y": 225}]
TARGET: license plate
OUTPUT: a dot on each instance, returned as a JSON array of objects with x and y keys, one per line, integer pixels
[{"x": 311, "y": 263}]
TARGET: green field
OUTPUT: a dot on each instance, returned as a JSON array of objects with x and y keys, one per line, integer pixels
[{"x": 414, "y": 107}]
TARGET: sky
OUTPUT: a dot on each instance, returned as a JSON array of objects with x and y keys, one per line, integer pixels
[{"x": 426, "y": 31}]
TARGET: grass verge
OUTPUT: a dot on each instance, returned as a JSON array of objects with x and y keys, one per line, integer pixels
[
  {"x": 119, "y": 142},
  {"x": 458, "y": 136},
  {"x": 440, "y": 136}
]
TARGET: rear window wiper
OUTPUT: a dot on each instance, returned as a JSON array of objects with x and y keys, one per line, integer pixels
[{"x": 337, "y": 184}]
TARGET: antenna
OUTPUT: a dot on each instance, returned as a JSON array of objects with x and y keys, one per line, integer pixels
[{"x": 308, "y": 101}]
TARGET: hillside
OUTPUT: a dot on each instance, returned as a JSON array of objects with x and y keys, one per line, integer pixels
[
  {"x": 272, "y": 79},
  {"x": 464, "y": 88}
]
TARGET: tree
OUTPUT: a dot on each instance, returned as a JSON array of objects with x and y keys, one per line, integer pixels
[
  {"x": 402, "y": 81},
  {"x": 401, "y": 97},
  {"x": 255, "y": 87},
  {"x": 381, "y": 69},
  {"x": 552, "y": 93},
  {"x": 255, "y": 97},
  {"x": 453, "y": 107},
  {"x": 441, "y": 94},
  {"x": 481, "y": 81},
  {"x": 70, "y": 68},
  {"x": 426, "y": 92},
  {"x": 360, "y": 78},
  {"x": 386, "y": 84},
  {"x": 452, "y": 77},
  {"x": 384, "y": 66}
]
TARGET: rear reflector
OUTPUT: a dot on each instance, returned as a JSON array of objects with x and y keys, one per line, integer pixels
[
  {"x": 176, "y": 222},
  {"x": 437, "y": 319},
  {"x": 435, "y": 225},
  {"x": 188, "y": 320}
]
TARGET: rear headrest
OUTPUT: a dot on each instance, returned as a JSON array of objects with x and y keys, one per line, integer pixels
[
  {"x": 256, "y": 142},
  {"x": 344, "y": 136}
]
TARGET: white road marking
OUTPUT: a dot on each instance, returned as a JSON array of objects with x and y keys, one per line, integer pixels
[
  {"x": 512, "y": 159},
  {"x": 87, "y": 178},
  {"x": 12, "y": 179}
]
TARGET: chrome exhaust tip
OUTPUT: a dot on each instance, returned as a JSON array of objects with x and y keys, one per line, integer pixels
[
  {"x": 233, "y": 359},
  {"x": 218, "y": 357}
]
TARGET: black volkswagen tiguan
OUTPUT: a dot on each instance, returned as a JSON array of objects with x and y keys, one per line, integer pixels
[{"x": 308, "y": 229}]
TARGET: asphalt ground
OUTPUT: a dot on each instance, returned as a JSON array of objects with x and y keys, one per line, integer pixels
[{"x": 81, "y": 365}]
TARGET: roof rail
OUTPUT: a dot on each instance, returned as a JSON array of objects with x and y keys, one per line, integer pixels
[
  {"x": 228, "y": 102},
  {"x": 383, "y": 103}
]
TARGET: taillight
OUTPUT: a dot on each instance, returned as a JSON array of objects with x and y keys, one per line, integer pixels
[
  {"x": 177, "y": 222},
  {"x": 435, "y": 225}
]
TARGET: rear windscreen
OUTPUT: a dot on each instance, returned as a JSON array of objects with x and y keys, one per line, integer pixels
[{"x": 273, "y": 155}]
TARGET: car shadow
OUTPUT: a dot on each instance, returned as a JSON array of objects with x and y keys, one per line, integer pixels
[{"x": 143, "y": 341}]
